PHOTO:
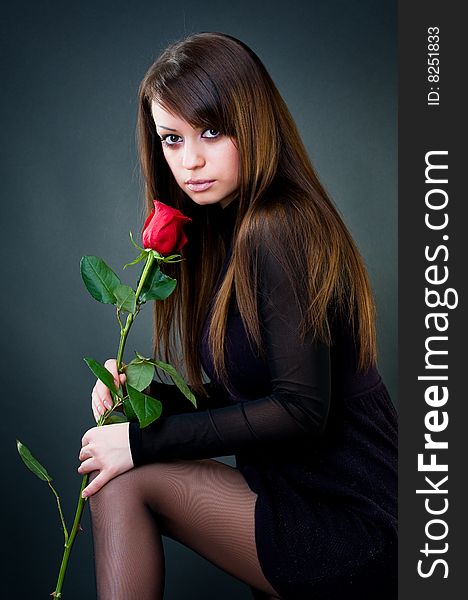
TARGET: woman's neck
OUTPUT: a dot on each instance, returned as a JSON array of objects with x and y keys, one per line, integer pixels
[{"x": 226, "y": 203}]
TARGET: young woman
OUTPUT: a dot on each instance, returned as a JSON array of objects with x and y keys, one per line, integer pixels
[{"x": 273, "y": 304}]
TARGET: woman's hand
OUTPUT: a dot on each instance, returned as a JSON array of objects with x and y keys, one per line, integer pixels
[
  {"x": 107, "y": 450},
  {"x": 101, "y": 399}
]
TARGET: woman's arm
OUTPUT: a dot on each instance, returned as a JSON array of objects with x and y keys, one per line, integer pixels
[
  {"x": 107, "y": 449},
  {"x": 296, "y": 409},
  {"x": 174, "y": 402}
]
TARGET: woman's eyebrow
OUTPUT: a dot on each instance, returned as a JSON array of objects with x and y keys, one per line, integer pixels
[{"x": 164, "y": 127}]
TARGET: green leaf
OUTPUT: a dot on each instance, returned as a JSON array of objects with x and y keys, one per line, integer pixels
[
  {"x": 172, "y": 257},
  {"x": 99, "y": 279},
  {"x": 157, "y": 286},
  {"x": 116, "y": 417},
  {"x": 33, "y": 464},
  {"x": 157, "y": 256},
  {"x": 147, "y": 409},
  {"x": 170, "y": 370},
  {"x": 128, "y": 408},
  {"x": 125, "y": 297},
  {"x": 142, "y": 255},
  {"x": 103, "y": 375},
  {"x": 139, "y": 374},
  {"x": 134, "y": 243},
  {"x": 177, "y": 379}
]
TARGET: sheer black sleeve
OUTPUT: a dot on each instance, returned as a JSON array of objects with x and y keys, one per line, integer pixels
[
  {"x": 174, "y": 402},
  {"x": 297, "y": 408}
]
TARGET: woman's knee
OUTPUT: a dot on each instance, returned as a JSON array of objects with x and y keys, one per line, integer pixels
[{"x": 114, "y": 493}]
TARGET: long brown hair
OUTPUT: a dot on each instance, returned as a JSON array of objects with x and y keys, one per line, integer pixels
[{"x": 213, "y": 80}]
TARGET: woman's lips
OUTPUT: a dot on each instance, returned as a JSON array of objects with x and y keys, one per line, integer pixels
[{"x": 200, "y": 187}]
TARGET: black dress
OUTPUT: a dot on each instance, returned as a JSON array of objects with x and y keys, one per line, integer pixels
[{"x": 315, "y": 439}]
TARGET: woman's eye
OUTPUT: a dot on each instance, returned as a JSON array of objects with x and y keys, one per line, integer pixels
[
  {"x": 216, "y": 132},
  {"x": 167, "y": 139},
  {"x": 171, "y": 139}
]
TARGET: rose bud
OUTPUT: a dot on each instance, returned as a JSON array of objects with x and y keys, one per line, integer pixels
[{"x": 163, "y": 230}]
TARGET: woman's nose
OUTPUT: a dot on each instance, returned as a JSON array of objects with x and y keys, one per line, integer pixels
[{"x": 192, "y": 156}]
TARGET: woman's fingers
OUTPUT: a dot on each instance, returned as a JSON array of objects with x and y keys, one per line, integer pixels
[
  {"x": 107, "y": 450},
  {"x": 101, "y": 396},
  {"x": 100, "y": 403},
  {"x": 86, "y": 449},
  {"x": 87, "y": 456},
  {"x": 88, "y": 465},
  {"x": 96, "y": 484},
  {"x": 111, "y": 365}
]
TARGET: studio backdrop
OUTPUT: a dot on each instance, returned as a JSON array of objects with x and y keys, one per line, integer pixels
[{"x": 71, "y": 187}]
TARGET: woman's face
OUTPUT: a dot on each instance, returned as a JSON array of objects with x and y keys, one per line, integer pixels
[{"x": 195, "y": 155}]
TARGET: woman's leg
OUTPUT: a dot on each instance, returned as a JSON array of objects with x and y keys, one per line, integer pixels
[{"x": 204, "y": 504}]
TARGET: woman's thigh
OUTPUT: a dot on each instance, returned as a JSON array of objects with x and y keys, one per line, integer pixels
[{"x": 207, "y": 506}]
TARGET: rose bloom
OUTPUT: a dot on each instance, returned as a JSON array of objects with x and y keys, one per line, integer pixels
[{"x": 163, "y": 230}]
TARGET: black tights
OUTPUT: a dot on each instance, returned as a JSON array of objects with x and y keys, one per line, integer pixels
[{"x": 204, "y": 504}]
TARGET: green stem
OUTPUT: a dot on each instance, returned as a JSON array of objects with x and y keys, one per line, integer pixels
[
  {"x": 131, "y": 317},
  {"x": 123, "y": 339},
  {"x": 69, "y": 543},
  {"x": 81, "y": 501},
  {"x": 118, "y": 319},
  {"x": 65, "y": 532}
]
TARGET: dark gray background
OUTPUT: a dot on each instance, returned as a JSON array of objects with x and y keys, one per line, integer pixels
[{"x": 70, "y": 186}]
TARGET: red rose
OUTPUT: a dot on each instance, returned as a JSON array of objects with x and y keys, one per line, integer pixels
[{"x": 163, "y": 229}]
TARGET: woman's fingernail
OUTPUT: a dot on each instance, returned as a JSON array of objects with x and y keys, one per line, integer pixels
[
  {"x": 108, "y": 404},
  {"x": 84, "y": 494}
]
